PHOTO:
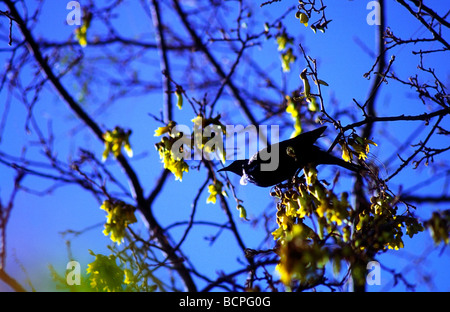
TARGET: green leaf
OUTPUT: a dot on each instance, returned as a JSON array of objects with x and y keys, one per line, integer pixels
[{"x": 319, "y": 81}]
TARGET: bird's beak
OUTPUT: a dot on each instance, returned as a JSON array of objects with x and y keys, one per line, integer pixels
[{"x": 223, "y": 169}]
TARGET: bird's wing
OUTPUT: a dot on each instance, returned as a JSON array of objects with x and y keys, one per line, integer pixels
[
  {"x": 304, "y": 139},
  {"x": 300, "y": 142}
]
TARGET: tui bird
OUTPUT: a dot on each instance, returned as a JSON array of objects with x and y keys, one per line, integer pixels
[{"x": 293, "y": 154}]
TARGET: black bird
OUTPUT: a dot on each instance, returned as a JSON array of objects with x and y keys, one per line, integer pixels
[{"x": 293, "y": 154}]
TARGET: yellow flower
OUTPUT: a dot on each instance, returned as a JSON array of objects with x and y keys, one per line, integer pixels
[
  {"x": 278, "y": 233},
  {"x": 177, "y": 167},
  {"x": 282, "y": 40},
  {"x": 396, "y": 245},
  {"x": 306, "y": 85},
  {"x": 212, "y": 194},
  {"x": 285, "y": 274},
  {"x": 304, "y": 19},
  {"x": 291, "y": 208},
  {"x": 297, "y": 128},
  {"x": 114, "y": 140},
  {"x": 287, "y": 58},
  {"x": 311, "y": 175},
  {"x": 346, "y": 154},
  {"x": 321, "y": 210},
  {"x": 128, "y": 276},
  {"x": 242, "y": 212},
  {"x": 198, "y": 121},
  {"x": 312, "y": 104},
  {"x": 81, "y": 32},
  {"x": 214, "y": 189},
  {"x": 174, "y": 163},
  {"x": 303, "y": 210},
  {"x": 294, "y": 112},
  {"x": 119, "y": 216},
  {"x": 362, "y": 156},
  {"x": 166, "y": 129},
  {"x": 161, "y": 130},
  {"x": 179, "y": 95},
  {"x": 104, "y": 273},
  {"x": 81, "y": 35},
  {"x": 291, "y": 109},
  {"x": 361, "y": 145},
  {"x": 336, "y": 218},
  {"x": 127, "y": 148}
]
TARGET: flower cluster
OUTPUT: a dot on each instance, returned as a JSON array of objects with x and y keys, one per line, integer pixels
[
  {"x": 380, "y": 227},
  {"x": 173, "y": 160},
  {"x": 305, "y": 10},
  {"x": 176, "y": 146},
  {"x": 115, "y": 140},
  {"x": 302, "y": 253},
  {"x": 214, "y": 189},
  {"x": 81, "y": 32},
  {"x": 203, "y": 129},
  {"x": 316, "y": 226},
  {"x": 304, "y": 19},
  {"x": 360, "y": 147},
  {"x": 309, "y": 198},
  {"x": 294, "y": 111},
  {"x": 296, "y": 102},
  {"x": 287, "y": 54},
  {"x": 105, "y": 274},
  {"x": 119, "y": 216},
  {"x": 439, "y": 226}
]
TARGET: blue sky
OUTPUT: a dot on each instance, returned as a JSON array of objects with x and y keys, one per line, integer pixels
[{"x": 34, "y": 230}]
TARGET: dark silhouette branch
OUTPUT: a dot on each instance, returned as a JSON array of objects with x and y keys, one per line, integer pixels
[
  {"x": 429, "y": 26},
  {"x": 137, "y": 191},
  {"x": 362, "y": 204},
  {"x": 11, "y": 282},
  {"x": 202, "y": 47},
  {"x": 417, "y": 151},
  {"x": 423, "y": 117},
  {"x": 165, "y": 66},
  {"x": 5, "y": 212},
  {"x": 442, "y": 199}
]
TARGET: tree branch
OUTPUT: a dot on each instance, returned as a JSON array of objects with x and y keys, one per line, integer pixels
[
  {"x": 198, "y": 42},
  {"x": 443, "y": 199},
  {"x": 165, "y": 66},
  {"x": 424, "y": 117},
  {"x": 421, "y": 147},
  {"x": 428, "y": 26},
  {"x": 137, "y": 191},
  {"x": 11, "y": 282}
]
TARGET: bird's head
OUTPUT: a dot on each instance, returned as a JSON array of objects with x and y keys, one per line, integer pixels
[{"x": 236, "y": 167}]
